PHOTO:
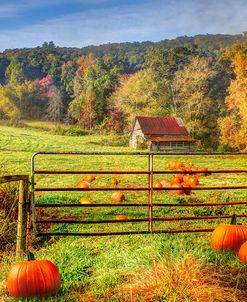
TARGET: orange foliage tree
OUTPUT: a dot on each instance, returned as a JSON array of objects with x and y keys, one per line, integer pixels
[{"x": 233, "y": 127}]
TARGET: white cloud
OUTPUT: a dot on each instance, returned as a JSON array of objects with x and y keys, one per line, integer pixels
[{"x": 147, "y": 21}]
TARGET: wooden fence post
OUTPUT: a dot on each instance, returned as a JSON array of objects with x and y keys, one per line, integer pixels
[{"x": 22, "y": 218}]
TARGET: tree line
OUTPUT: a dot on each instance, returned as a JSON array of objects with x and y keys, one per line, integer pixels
[{"x": 201, "y": 80}]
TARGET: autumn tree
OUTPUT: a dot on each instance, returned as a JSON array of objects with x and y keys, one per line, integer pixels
[
  {"x": 7, "y": 108},
  {"x": 234, "y": 126},
  {"x": 141, "y": 94},
  {"x": 191, "y": 100}
]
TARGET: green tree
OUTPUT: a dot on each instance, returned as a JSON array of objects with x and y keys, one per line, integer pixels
[{"x": 14, "y": 73}]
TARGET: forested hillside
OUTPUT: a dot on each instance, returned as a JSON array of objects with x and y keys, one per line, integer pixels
[{"x": 201, "y": 79}]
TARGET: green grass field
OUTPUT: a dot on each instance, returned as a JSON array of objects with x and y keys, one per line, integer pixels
[{"x": 161, "y": 267}]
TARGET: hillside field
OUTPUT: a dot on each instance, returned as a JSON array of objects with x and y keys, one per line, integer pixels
[{"x": 158, "y": 267}]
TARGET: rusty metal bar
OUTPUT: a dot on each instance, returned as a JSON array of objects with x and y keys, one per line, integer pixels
[
  {"x": 91, "y": 221},
  {"x": 61, "y": 205},
  {"x": 135, "y": 219},
  {"x": 134, "y": 172},
  {"x": 91, "y": 189},
  {"x": 195, "y": 217},
  {"x": 137, "y": 188},
  {"x": 90, "y": 171},
  {"x": 137, "y": 153},
  {"x": 54, "y": 205},
  {"x": 206, "y": 204},
  {"x": 206, "y": 188},
  {"x": 125, "y": 233}
]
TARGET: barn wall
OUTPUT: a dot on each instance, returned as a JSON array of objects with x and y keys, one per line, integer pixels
[
  {"x": 172, "y": 146},
  {"x": 136, "y": 133}
]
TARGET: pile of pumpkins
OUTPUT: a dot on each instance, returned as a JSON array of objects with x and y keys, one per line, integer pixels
[
  {"x": 187, "y": 167},
  {"x": 231, "y": 237},
  {"x": 182, "y": 181},
  {"x": 182, "y": 184}
]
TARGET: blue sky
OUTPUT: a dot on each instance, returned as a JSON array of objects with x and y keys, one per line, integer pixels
[{"x": 78, "y": 23}]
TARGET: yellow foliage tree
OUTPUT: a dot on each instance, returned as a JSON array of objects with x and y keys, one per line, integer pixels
[
  {"x": 234, "y": 126},
  {"x": 141, "y": 94},
  {"x": 7, "y": 108}
]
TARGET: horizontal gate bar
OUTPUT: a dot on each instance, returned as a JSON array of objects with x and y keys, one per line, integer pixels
[
  {"x": 61, "y": 205},
  {"x": 91, "y": 221},
  {"x": 135, "y": 219},
  {"x": 90, "y": 171},
  {"x": 138, "y": 188},
  {"x": 123, "y": 233},
  {"x": 138, "y": 153},
  {"x": 134, "y": 172}
]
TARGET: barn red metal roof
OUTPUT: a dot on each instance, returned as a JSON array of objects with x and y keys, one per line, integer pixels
[
  {"x": 162, "y": 126},
  {"x": 170, "y": 139}
]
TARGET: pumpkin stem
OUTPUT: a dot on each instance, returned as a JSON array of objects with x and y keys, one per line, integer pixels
[
  {"x": 234, "y": 219},
  {"x": 30, "y": 256}
]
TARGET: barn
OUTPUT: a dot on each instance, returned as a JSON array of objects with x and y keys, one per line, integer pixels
[{"x": 165, "y": 134}]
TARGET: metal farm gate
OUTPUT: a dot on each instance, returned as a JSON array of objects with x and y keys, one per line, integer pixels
[{"x": 149, "y": 188}]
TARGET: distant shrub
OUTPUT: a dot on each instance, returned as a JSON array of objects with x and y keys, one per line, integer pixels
[
  {"x": 13, "y": 123},
  {"x": 69, "y": 131},
  {"x": 114, "y": 140}
]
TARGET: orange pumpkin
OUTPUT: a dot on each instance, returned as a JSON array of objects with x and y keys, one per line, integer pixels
[
  {"x": 114, "y": 181},
  {"x": 172, "y": 164},
  {"x": 117, "y": 196},
  {"x": 178, "y": 164},
  {"x": 120, "y": 217},
  {"x": 242, "y": 253},
  {"x": 193, "y": 181},
  {"x": 157, "y": 185},
  {"x": 165, "y": 183},
  {"x": 89, "y": 178},
  {"x": 179, "y": 187},
  {"x": 186, "y": 178},
  {"x": 178, "y": 178},
  {"x": 33, "y": 278},
  {"x": 83, "y": 185},
  {"x": 187, "y": 188},
  {"x": 229, "y": 236},
  {"x": 85, "y": 200}
]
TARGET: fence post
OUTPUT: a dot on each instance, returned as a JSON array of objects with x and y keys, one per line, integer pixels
[
  {"x": 150, "y": 193},
  {"x": 22, "y": 218}
]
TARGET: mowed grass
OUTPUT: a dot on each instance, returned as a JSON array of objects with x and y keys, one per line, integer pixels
[{"x": 159, "y": 267}]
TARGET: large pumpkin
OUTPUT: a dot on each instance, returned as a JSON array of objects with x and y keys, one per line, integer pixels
[
  {"x": 242, "y": 253},
  {"x": 33, "y": 278},
  {"x": 229, "y": 236}
]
